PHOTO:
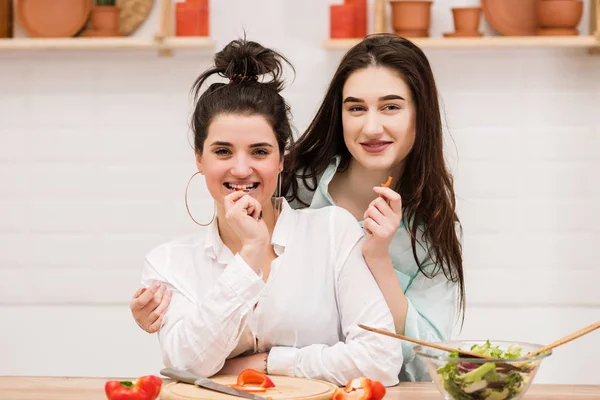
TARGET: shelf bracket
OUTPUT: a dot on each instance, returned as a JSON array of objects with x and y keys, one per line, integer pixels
[
  {"x": 164, "y": 29},
  {"x": 595, "y": 26}
]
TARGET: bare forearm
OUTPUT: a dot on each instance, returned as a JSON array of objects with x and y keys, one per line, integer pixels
[
  {"x": 236, "y": 365},
  {"x": 385, "y": 276}
]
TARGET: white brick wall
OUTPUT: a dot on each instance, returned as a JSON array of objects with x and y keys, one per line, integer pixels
[{"x": 94, "y": 158}]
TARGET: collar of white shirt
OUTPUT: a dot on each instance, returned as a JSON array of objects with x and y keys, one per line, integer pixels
[{"x": 216, "y": 249}]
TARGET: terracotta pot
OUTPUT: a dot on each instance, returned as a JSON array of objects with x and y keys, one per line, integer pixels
[
  {"x": 558, "y": 13},
  {"x": 360, "y": 17},
  {"x": 106, "y": 18},
  {"x": 204, "y": 7},
  {"x": 466, "y": 19},
  {"x": 191, "y": 18},
  {"x": 411, "y": 15},
  {"x": 412, "y": 33},
  {"x": 463, "y": 34},
  {"x": 557, "y": 32},
  {"x": 94, "y": 33},
  {"x": 341, "y": 21}
]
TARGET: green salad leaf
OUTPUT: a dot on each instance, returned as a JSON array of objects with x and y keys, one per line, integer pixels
[
  {"x": 487, "y": 349},
  {"x": 472, "y": 381}
]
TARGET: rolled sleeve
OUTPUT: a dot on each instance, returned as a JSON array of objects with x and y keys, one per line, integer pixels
[
  {"x": 282, "y": 360},
  {"x": 431, "y": 311},
  {"x": 417, "y": 327},
  {"x": 411, "y": 330}
]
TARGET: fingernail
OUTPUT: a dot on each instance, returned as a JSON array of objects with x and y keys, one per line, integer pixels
[{"x": 157, "y": 283}]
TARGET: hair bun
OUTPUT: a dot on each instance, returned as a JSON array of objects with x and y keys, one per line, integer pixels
[{"x": 245, "y": 61}]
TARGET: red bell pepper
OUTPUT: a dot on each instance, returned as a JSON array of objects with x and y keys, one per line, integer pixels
[
  {"x": 387, "y": 183},
  {"x": 361, "y": 389},
  {"x": 253, "y": 377},
  {"x": 145, "y": 388},
  {"x": 251, "y": 380}
]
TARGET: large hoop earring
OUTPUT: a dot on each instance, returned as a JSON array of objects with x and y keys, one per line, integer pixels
[
  {"x": 188, "y": 207},
  {"x": 277, "y": 201}
]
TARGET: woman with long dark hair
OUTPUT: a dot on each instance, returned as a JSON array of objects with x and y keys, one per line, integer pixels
[{"x": 381, "y": 118}]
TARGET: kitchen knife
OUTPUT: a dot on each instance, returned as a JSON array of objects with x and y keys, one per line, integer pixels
[{"x": 184, "y": 376}]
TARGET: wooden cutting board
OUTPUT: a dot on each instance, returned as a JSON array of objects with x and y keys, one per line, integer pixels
[{"x": 286, "y": 388}]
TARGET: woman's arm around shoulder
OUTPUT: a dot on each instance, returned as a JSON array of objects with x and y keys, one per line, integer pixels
[{"x": 200, "y": 330}]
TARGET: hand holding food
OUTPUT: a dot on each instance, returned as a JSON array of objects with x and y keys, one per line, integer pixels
[
  {"x": 381, "y": 221},
  {"x": 244, "y": 214}
]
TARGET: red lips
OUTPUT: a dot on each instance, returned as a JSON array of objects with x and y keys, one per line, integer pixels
[{"x": 375, "y": 146}]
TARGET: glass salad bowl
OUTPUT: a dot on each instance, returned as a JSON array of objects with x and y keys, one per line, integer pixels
[{"x": 506, "y": 376}]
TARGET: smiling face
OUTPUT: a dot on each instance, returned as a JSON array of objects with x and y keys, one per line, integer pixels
[
  {"x": 378, "y": 118},
  {"x": 240, "y": 153}
]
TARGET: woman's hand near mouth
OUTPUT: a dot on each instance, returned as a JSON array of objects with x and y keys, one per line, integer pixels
[
  {"x": 381, "y": 221},
  {"x": 243, "y": 213}
]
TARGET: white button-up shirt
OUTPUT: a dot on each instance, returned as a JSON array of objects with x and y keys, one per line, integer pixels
[{"x": 306, "y": 315}]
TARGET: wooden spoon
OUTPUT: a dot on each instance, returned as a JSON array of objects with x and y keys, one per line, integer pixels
[
  {"x": 565, "y": 339},
  {"x": 560, "y": 342},
  {"x": 461, "y": 353}
]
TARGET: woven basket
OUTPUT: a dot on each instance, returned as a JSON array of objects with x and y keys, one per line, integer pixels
[{"x": 133, "y": 13}]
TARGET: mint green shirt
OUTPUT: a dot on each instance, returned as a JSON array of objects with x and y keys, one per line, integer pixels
[{"x": 431, "y": 302}]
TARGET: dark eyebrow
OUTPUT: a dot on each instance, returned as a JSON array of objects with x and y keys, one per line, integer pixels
[
  {"x": 227, "y": 144},
  {"x": 353, "y": 100},
  {"x": 384, "y": 98},
  {"x": 263, "y": 144},
  {"x": 391, "y": 97}
]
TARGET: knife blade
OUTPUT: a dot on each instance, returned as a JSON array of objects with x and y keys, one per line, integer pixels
[{"x": 187, "y": 377}]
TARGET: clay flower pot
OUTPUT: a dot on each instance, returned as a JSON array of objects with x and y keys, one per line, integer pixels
[
  {"x": 553, "y": 14},
  {"x": 106, "y": 18},
  {"x": 411, "y": 16},
  {"x": 466, "y": 19},
  {"x": 412, "y": 34}
]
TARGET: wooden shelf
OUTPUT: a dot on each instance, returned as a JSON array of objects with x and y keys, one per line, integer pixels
[
  {"x": 188, "y": 42},
  {"x": 125, "y": 43},
  {"x": 485, "y": 42}
]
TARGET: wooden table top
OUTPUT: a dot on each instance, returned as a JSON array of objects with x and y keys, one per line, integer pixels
[{"x": 76, "y": 388}]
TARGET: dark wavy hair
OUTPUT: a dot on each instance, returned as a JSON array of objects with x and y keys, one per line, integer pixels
[
  {"x": 243, "y": 63},
  {"x": 426, "y": 185}
]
